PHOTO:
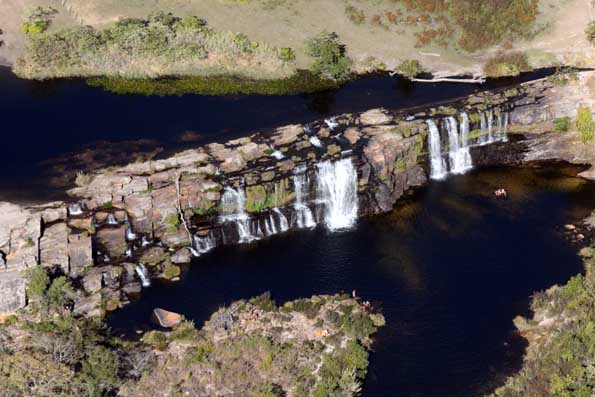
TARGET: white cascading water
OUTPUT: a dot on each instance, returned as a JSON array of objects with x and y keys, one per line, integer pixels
[
  {"x": 315, "y": 141},
  {"x": 111, "y": 219},
  {"x": 283, "y": 223},
  {"x": 143, "y": 274},
  {"x": 503, "y": 127},
  {"x": 458, "y": 150},
  {"x": 233, "y": 204},
  {"x": 278, "y": 155},
  {"x": 75, "y": 209},
  {"x": 337, "y": 190},
  {"x": 203, "y": 245},
  {"x": 303, "y": 213},
  {"x": 437, "y": 163}
]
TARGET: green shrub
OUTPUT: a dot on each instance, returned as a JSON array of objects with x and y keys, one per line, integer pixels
[
  {"x": 99, "y": 370},
  {"x": 265, "y": 302},
  {"x": 563, "y": 76},
  {"x": 506, "y": 64},
  {"x": 286, "y": 54},
  {"x": 330, "y": 58},
  {"x": 410, "y": 68},
  {"x": 60, "y": 292},
  {"x": 590, "y": 32},
  {"x": 585, "y": 124},
  {"x": 37, "y": 281},
  {"x": 562, "y": 124}
]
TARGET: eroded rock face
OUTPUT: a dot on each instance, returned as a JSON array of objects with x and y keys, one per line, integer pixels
[
  {"x": 161, "y": 212},
  {"x": 12, "y": 292}
]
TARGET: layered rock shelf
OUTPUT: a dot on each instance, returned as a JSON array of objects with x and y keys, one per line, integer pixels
[{"x": 124, "y": 226}]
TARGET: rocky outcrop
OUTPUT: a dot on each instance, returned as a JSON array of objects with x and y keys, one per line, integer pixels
[{"x": 148, "y": 218}]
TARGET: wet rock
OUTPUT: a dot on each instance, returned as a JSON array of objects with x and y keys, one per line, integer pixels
[
  {"x": 153, "y": 256},
  {"x": 166, "y": 318},
  {"x": 182, "y": 256},
  {"x": 113, "y": 239},
  {"x": 286, "y": 166},
  {"x": 375, "y": 117},
  {"x": 133, "y": 288},
  {"x": 286, "y": 135},
  {"x": 352, "y": 134},
  {"x": 570, "y": 227}
]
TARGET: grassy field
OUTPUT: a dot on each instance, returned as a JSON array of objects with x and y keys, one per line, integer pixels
[{"x": 376, "y": 32}]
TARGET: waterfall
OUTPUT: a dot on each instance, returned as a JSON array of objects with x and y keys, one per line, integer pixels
[
  {"x": 283, "y": 224},
  {"x": 331, "y": 123},
  {"x": 130, "y": 235},
  {"x": 438, "y": 165},
  {"x": 304, "y": 217},
  {"x": 337, "y": 189},
  {"x": 233, "y": 204},
  {"x": 503, "y": 127},
  {"x": 204, "y": 244},
  {"x": 75, "y": 209},
  {"x": 315, "y": 141},
  {"x": 278, "y": 155},
  {"x": 458, "y": 152},
  {"x": 490, "y": 126},
  {"x": 143, "y": 274},
  {"x": 111, "y": 219}
]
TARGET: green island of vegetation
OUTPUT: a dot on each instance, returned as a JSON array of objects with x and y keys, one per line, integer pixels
[{"x": 308, "y": 347}]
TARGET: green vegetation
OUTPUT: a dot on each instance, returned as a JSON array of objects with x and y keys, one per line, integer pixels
[
  {"x": 37, "y": 282},
  {"x": 330, "y": 56},
  {"x": 39, "y": 20},
  {"x": 506, "y": 64},
  {"x": 300, "y": 83},
  {"x": 160, "y": 45},
  {"x": 410, "y": 68},
  {"x": 562, "y": 124},
  {"x": 172, "y": 221},
  {"x": 561, "y": 363},
  {"x": 563, "y": 76},
  {"x": 585, "y": 124},
  {"x": 590, "y": 32}
]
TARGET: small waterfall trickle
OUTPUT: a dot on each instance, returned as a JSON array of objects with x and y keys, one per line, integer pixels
[
  {"x": 437, "y": 163},
  {"x": 75, "y": 209},
  {"x": 278, "y": 155},
  {"x": 458, "y": 151},
  {"x": 202, "y": 245},
  {"x": 331, "y": 123},
  {"x": 503, "y": 127},
  {"x": 283, "y": 223},
  {"x": 315, "y": 141},
  {"x": 233, "y": 204},
  {"x": 303, "y": 213},
  {"x": 130, "y": 235},
  {"x": 337, "y": 190},
  {"x": 111, "y": 220},
  {"x": 143, "y": 274}
]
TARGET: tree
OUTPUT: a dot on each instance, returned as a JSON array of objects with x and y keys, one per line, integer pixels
[
  {"x": 37, "y": 281},
  {"x": 410, "y": 68},
  {"x": 330, "y": 58}
]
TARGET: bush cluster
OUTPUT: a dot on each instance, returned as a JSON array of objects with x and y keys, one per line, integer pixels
[
  {"x": 410, "y": 68},
  {"x": 162, "y": 44},
  {"x": 330, "y": 56},
  {"x": 506, "y": 64},
  {"x": 585, "y": 124}
]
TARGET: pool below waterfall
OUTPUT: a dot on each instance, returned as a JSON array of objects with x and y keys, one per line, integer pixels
[{"x": 451, "y": 266}]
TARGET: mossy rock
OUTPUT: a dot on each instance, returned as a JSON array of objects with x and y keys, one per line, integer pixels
[{"x": 170, "y": 271}]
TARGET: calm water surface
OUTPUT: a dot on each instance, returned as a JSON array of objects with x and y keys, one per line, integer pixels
[
  {"x": 451, "y": 265},
  {"x": 46, "y": 120}
]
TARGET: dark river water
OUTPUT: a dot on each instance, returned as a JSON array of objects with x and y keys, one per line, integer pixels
[
  {"x": 451, "y": 265},
  {"x": 43, "y": 123}
]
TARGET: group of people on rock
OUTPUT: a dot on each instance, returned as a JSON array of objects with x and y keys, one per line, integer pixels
[{"x": 501, "y": 193}]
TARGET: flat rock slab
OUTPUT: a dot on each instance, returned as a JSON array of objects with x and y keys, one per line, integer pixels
[
  {"x": 12, "y": 292},
  {"x": 166, "y": 318}
]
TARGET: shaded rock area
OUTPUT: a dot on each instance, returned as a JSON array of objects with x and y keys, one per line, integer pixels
[{"x": 125, "y": 225}]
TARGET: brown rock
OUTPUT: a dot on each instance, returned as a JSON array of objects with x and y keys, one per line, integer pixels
[
  {"x": 113, "y": 239},
  {"x": 166, "y": 318},
  {"x": 375, "y": 117}
]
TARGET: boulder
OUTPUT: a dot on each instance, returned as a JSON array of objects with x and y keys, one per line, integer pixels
[
  {"x": 88, "y": 306},
  {"x": 80, "y": 253},
  {"x": 12, "y": 291},
  {"x": 182, "y": 256},
  {"x": 92, "y": 281},
  {"x": 166, "y": 318},
  {"x": 53, "y": 247},
  {"x": 375, "y": 117},
  {"x": 113, "y": 239}
]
